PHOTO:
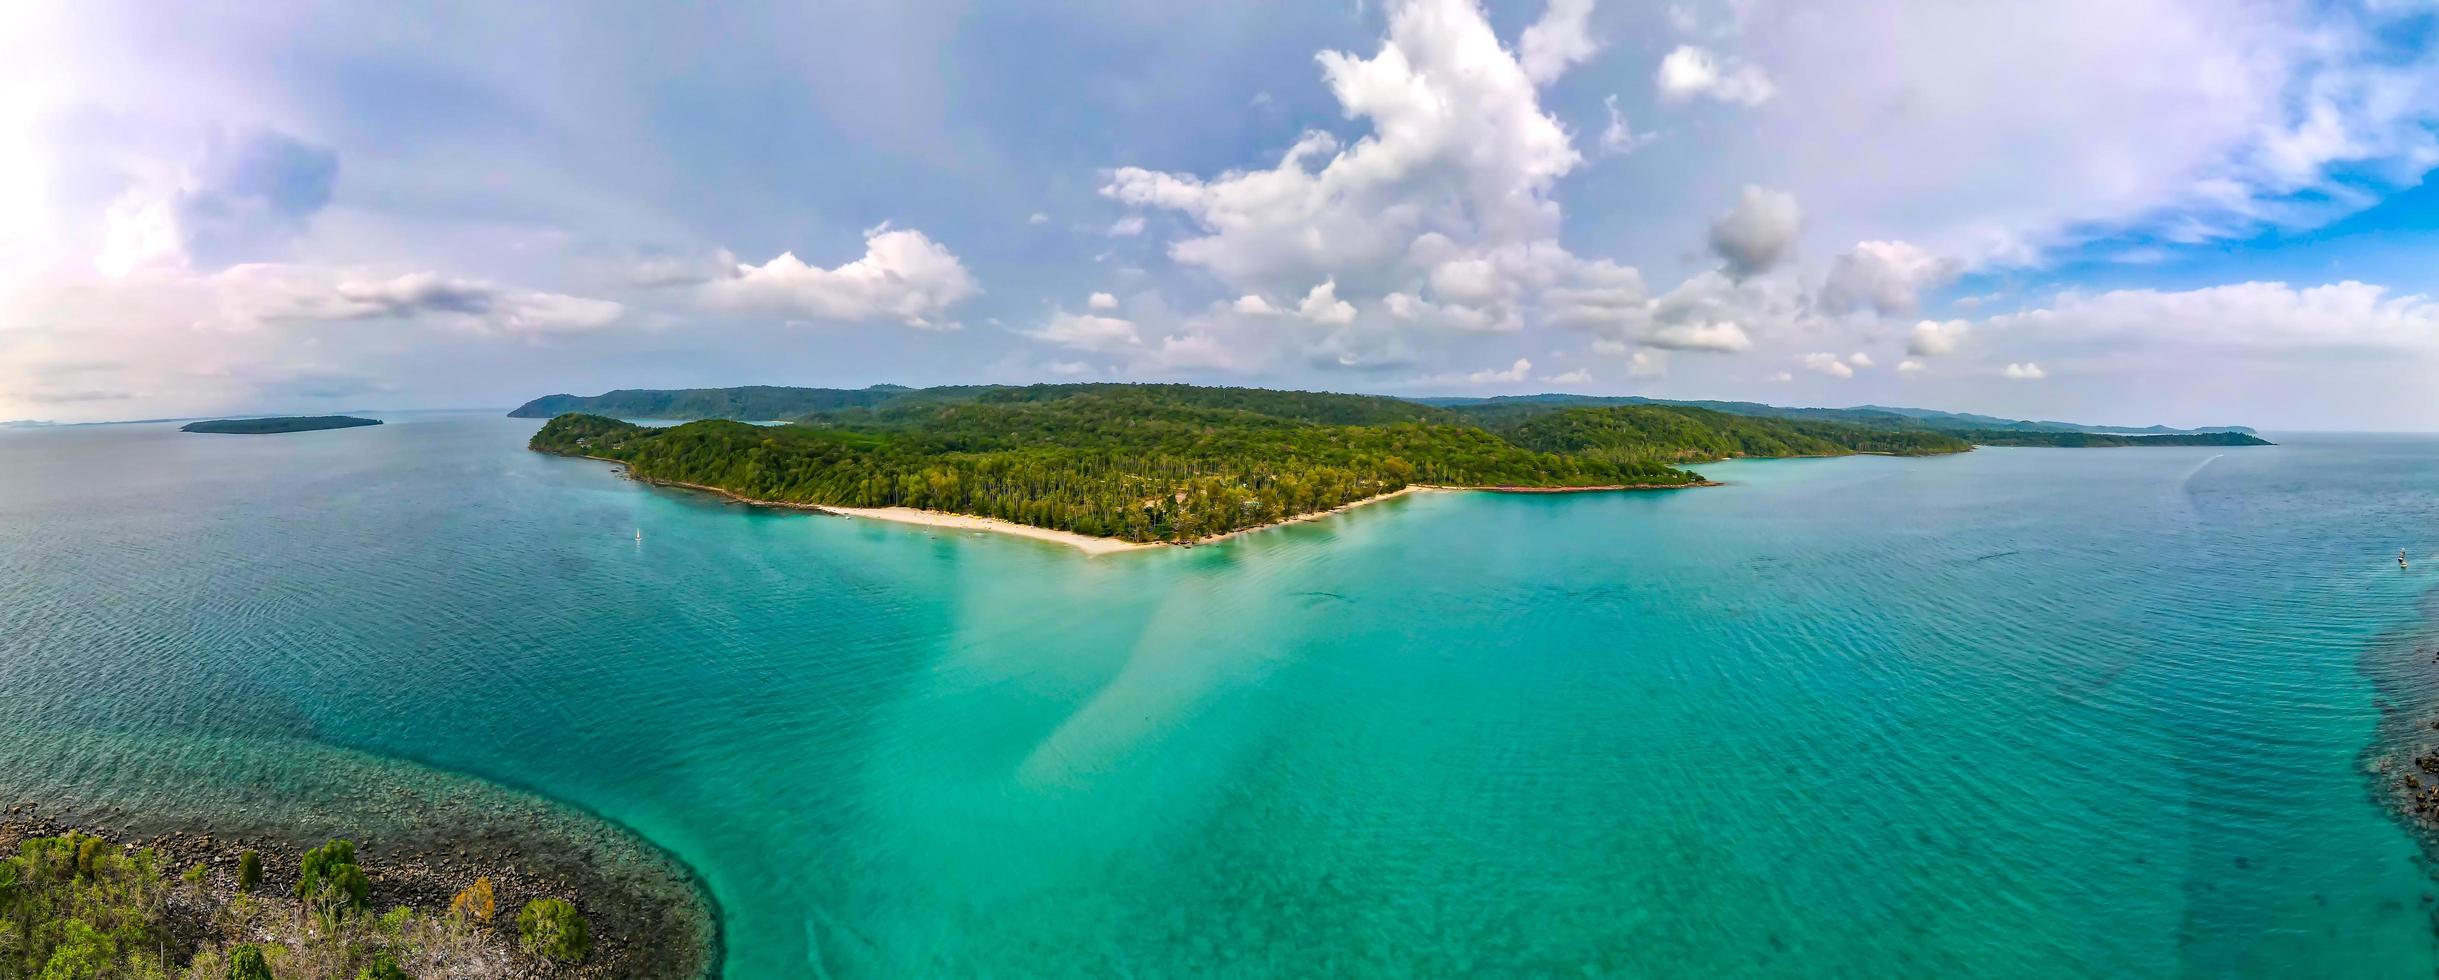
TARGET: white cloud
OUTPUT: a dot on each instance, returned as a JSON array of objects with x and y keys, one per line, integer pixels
[
  {"x": 1647, "y": 364},
  {"x": 1829, "y": 364},
  {"x": 2027, "y": 371},
  {"x": 1933, "y": 338},
  {"x": 1780, "y": 376},
  {"x": 902, "y": 275},
  {"x": 1101, "y": 301},
  {"x": 1440, "y": 218},
  {"x": 1619, "y": 138},
  {"x": 1579, "y": 376},
  {"x": 1909, "y": 366},
  {"x": 238, "y": 199},
  {"x": 1888, "y": 277},
  {"x": 1691, "y": 72},
  {"x": 1126, "y": 227},
  {"x": 1085, "y": 332},
  {"x": 1038, "y": 218},
  {"x": 1323, "y": 306},
  {"x": 1252, "y": 305},
  {"x": 1068, "y": 369},
  {"x": 1952, "y": 126},
  {"x": 256, "y": 294},
  {"x": 1720, "y": 337},
  {"x": 1859, "y": 359},
  {"x": 1514, "y": 373},
  {"x": 2250, "y": 315},
  {"x": 1759, "y": 232},
  {"x": 1558, "y": 41}
]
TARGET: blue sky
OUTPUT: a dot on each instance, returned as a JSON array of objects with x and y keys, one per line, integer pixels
[{"x": 2184, "y": 211}]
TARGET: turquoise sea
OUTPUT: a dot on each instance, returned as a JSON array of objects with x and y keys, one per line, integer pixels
[{"x": 2019, "y": 713}]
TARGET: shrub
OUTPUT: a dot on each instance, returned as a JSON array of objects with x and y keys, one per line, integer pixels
[
  {"x": 383, "y": 967},
  {"x": 249, "y": 872},
  {"x": 475, "y": 902},
  {"x": 247, "y": 963},
  {"x": 194, "y": 875},
  {"x": 329, "y": 879},
  {"x": 552, "y": 928}
]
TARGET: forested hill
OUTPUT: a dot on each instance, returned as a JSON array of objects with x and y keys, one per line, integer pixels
[
  {"x": 1092, "y": 464},
  {"x": 1686, "y": 435},
  {"x": 753, "y": 402},
  {"x": 1178, "y": 462},
  {"x": 2102, "y": 440},
  {"x": 763, "y": 403}
]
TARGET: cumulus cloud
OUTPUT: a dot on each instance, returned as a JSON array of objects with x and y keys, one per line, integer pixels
[
  {"x": 1829, "y": 364},
  {"x": 1559, "y": 40},
  {"x": 1576, "y": 377},
  {"x": 1085, "y": 332},
  {"x": 1690, "y": 72},
  {"x": 1323, "y": 306},
  {"x": 1887, "y": 277},
  {"x": 903, "y": 275},
  {"x": 1759, "y": 232},
  {"x": 1859, "y": 359},
  {"x": 1038, "y": 218},
  {"x": 1909, "y": 366},
  {"x": 2026, "y": 371},
  {"x": 1647, "y": 364},
  {"x": 1934, "y": 338},
  {"x": 1439, "y": 219},
  {"x": 1101, "y": 301},
  {"x": 1514, "y": 373},
  {"x": 1126, "y": 227}
]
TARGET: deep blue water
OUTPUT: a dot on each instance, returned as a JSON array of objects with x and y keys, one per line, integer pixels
[{"x": 2015, "y": 713}]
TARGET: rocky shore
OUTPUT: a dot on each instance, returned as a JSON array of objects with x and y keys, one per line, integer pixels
[{"x": 647, "y": 922}]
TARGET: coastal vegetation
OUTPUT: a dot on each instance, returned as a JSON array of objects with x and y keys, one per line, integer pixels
[
  {"x": 74, "y": 906},
  {"x": 285, "y": 423},
  {"x": 1690, "y": 435},
  {"x": 1181, "y": 463},
  {"x": 767, "y": 403},
  {"x": 2103, "y": 440}
]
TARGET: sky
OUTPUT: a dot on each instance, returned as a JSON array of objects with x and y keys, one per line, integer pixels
[{"x": 2192, "y": 212}]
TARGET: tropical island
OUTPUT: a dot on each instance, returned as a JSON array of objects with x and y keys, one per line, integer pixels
[
  {"x": 276, "y": 424},
  {"x": 1142, "y": 464}
]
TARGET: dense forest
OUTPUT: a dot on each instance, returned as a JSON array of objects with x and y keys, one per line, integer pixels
[
  {"x": 285, "y": 423},
  {"x": 2100, "y": 440},
  {"x": 1178, "y": 462},
  {"x": 1128, "y": 463},
  {"x": 754, "y": 402},
  {"x": 764, "y": 403},
  {"x": 1688, "y": 435}
]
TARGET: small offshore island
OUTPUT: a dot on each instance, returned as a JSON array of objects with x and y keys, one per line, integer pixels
[
  {"x": 1134, "y": 465},
  {"x": 277, "y": 424}
]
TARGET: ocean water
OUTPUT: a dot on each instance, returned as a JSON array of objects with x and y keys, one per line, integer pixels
[{"x": 2019, "y": 713}]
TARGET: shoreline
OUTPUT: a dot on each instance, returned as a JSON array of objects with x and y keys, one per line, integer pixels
[
  {"x": 635, "y": 932},
  {"x": 423, "y": 832},
  {"x": 1091, "y": 545}
]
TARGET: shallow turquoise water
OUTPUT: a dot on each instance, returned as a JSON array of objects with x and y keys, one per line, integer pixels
[{"x": 2016, "y": 713}]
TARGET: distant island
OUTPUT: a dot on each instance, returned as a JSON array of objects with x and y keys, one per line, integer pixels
[
  {"x": 283, "y": 423},
  {"x": 1144, "y": 464}
]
